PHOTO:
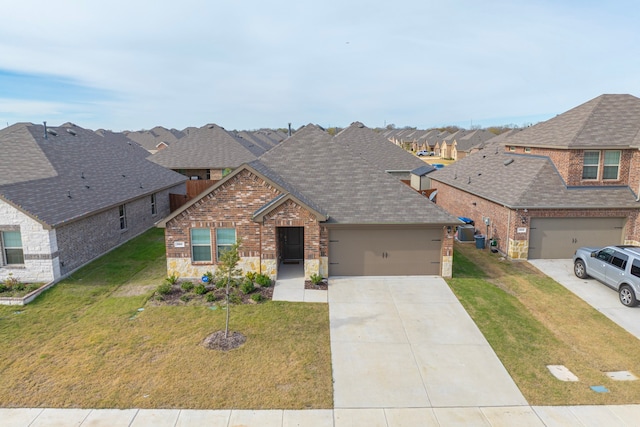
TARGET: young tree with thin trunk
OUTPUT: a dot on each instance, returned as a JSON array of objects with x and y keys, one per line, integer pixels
[{"x": 228, "y": 270}]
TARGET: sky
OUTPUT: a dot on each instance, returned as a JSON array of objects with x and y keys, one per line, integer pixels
[{"x": 131, "y": 65}]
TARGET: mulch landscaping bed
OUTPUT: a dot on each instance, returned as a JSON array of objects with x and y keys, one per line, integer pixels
[
  {"x": 178, "y": 296},
  {"x": 320, "y": 286}
]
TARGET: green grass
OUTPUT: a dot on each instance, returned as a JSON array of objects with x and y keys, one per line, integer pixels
[
  {"x": 84, "y": 343},
  {"x": 531, "y": 322}
]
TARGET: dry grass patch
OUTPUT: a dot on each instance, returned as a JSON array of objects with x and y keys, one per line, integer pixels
[
  {"x": 81, "y": 345},
  {"x": 531, "y": 321}
]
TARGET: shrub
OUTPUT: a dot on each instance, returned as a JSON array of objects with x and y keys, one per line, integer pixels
[
  {"x": 185, "y": 298},
  {"x": 210, "y": 297},
  {"x": 257, "y": 297},
  {"x": 187, "y": 286},
  {"x": 3, "y": 288},
  {"x": 18, "y": 287},
  {"x": 235, "y": 299},
  {"x": 209, "y": 276},
  {"x": 12, "y": 282},
  {"x": 171, "y": 280},
  {"x": 251, "y": 275},
  {"x": 200, "y": 289},
  {"x": 221, "y": 283},
  {"x": 247, "y": 286},
  {"x": 263, "y": 280},
  {"x": 315, "y": 278},
  {"x": 164, "y": 289}
]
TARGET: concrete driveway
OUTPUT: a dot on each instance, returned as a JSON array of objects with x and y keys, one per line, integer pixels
[
  {"x": 601, "y": 297},
  {"x": 406, "y": 342}
]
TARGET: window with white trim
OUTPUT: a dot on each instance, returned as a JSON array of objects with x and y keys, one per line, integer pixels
[
  {"x": 590, "y": 164},
  {"x": 122, "y": 213},
  {"x": 201, "y": 244},
  {"x": 12, "y": 252},
  {"x": 611, "y": 164},
  {"x": 225, "y": 238},
  {"x": 154, "y": 206}
]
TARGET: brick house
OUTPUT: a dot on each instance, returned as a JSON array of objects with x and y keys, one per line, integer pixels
[
  {"x": 68, "y": 195},
  {"x": 327, "y": 203},
  {"x": 546, "y": 190},
  {"x": 209, "y": 152}
]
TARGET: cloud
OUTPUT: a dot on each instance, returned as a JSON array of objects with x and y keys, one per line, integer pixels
[{"x": 128, "y": 65}]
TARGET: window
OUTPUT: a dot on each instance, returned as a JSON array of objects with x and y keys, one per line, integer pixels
[
  {"x": 12, "y": 247},
  {"x": 122, "y": 212},
  {"x": 154, "y": 208},
  {"x": 635, "y": 268},
  {"x": 200, "y": 244},
  {"x": 619, "y": 260},
  {"x": 527, "y": 149},
  {"x": 512, "y": 148},
  {"x": 611, "y": 164},
  {"x": 605, "y": 255},
  {"x": 225, "y": 238},
  {"x": 590, "y": 165}
]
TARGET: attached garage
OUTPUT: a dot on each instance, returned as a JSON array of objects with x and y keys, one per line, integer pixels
[
  {"x": 559, "y": 237},
  {"x": 385, "y": 252}
]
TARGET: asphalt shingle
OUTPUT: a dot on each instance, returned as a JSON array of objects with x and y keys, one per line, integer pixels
[{"x": 74, "y": 172}]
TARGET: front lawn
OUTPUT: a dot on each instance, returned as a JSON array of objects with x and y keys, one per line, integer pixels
[
  {"x": 531, "y": 322},
  {"x": 92, "y": 341}
]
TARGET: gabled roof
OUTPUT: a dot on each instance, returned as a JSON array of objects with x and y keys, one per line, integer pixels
[
  {"x": 73, "y": 172},
  {"x": 209, "y": 147},
  {"x": 423, "y": 170},
  {"x": 348, "y": 187},
  {"x": 150, "y": 139},
  {"x": 525, "y": 181},
  {"x": 288, "y": 192},
  {"x": 473, "y": 139},
  {"x": 376, "y": 149},
  {"x": 608, "y": 121}
]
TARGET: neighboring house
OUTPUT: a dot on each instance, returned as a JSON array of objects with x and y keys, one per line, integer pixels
[
  {"x": 155, "y": 139},
  {"x": 375, "y": 149},
  {"x": 207, "y": 153},
  {"x": 544, "y": 191},
  {"x": 68, "y": 196},
  {"x": 321, "y": 201},
  {"x": 470, "y": 143}
]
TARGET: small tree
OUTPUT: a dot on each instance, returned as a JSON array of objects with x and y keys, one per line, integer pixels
[{"x": 228, "y": 269}]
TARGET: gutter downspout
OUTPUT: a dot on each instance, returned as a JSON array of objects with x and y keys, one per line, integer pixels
[{"x": 508, "y": 232}]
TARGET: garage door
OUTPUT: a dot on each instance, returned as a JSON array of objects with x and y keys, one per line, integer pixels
[
  {"x": 384, "y": 252},
  {"x": 559, "y": 237}
]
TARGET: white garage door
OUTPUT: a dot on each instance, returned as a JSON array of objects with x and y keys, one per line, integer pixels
[
  {"x": 384, "y": 252},
  {"x": 558, "y": 238}
]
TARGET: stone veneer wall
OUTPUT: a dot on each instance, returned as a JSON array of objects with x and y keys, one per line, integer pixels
[
  {"x": 231, "y": 206},
  {"x": 39, "y": 247}
]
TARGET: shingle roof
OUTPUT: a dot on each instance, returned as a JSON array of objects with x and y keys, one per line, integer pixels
[
  {"x": 74, "y": 173},
  {"x": 608, "y": 121},
  {"x": 376, "y": 149},
  {"x": 525, "y": 181},
  {"x": 347, "y": 187},
  {"x": 150, "y": 139},
  {"x": 209, "y": 147}
]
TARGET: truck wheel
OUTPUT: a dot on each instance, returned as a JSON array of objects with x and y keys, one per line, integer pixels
[
  {"x": 627, "y": 296},
  {"x": 579, "y": 269}
]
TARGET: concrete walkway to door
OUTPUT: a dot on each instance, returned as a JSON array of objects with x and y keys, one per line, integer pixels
[
  {"x": 407, "y": 342},
  {"x": 289, "y": 285}
]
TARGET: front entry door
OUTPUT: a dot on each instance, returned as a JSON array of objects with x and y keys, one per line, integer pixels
[{"x": 292, "y": 242}]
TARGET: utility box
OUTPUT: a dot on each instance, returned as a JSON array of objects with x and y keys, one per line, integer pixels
[{"x": 465, "y": 233}]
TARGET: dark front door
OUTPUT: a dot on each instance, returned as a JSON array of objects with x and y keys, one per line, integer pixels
[{"x": 291, "y": 242}]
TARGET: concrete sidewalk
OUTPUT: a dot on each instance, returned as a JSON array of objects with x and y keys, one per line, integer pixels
[
  {"x": 289, "y": 286},
  {"x": 551, "y": 416}
]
